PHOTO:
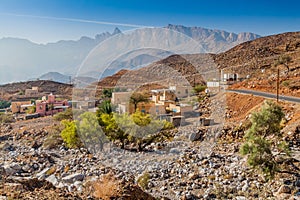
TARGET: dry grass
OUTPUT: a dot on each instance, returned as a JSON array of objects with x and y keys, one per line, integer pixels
[{"x": 106, "y": 188}]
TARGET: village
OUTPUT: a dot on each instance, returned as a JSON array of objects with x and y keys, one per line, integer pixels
[{"x": 177, "y": 104}]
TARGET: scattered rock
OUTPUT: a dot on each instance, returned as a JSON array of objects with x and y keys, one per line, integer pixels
[
  {"x": 73, "y": 177},
  {"x": 284, "y": 189}
]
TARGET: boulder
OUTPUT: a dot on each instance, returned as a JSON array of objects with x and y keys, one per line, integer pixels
[
  {"x": 297, "y": 183},
  {"x": 195, "y": 136},
  {"x": 42, "y": 174},
  {"x": 73, "y": 178},
  {"x": 12, "y": 168},
  {"x": 52, "y": 179},
  {"x": 174, "y": 151},
  {"x": 284, "y": 189}
]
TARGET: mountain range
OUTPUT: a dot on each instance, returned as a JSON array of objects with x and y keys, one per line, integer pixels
[{"x": 22, "y": 59}]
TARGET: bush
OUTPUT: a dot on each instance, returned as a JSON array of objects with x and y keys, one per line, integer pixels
[
  {"x": 263, "y": 137},
  {"x": 107, "y": 92},
  {"x": 54, "y": 138},
  {"x": 199, "y": 88},
  {"x": 107, "y": 188},
  {"x": 143, "y": 180},
  {"x": 167, "y": 125},
  {"x": 6, "y": 118},
  {"x": 111, "y": 129},
  {"x": 69, "y": 134},
  {"x": 66, "y": 115},
  {"x": 31, "y": 110},
  {"x": 90, "y": 131},
  {"x": 4, "y": 104},
  {"x": 137, "y": 128}
]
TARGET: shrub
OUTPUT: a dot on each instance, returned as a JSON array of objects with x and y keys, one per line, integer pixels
[
  {"x": 54, "y": 138},
  {"x": 107, "y": 92},
  {"x": 69, "y": 134},
  {"x": 111, "y": 129},
  {"x": 90, "y": 132},
  {"x": 6, "y": 118},
  {"x": 4, "y": 104},
  {"x": 106, "y": 188},
  {"x": 137, "y": 128},
  {"x": 67, "y": 115},
  {"x": 31, "y": 110},
  {"x": 199, "y": 88},
  {"x": 143, "y": 180},
  {"x": 262, "y": 137},
  {"x": 167, "y": 125}
]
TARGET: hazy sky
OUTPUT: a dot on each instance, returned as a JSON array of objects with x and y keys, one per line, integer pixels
[{"x": 51, "y": 20}]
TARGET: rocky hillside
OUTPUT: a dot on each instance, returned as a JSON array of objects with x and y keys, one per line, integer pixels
[
  {"x": 257, "y": 59},
  {"x": 261, "y": 53},
  {"x": 174, "y": 70},
  {"x": 8, "y": 91}
]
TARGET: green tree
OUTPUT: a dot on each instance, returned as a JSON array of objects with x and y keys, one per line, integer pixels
[
  {"x": 4, "y": 104},
  {"x": 90, "y": 132},
  {"x": 69, "y": 134},
  {"x": 111, "y": 128},
  {"x": 107, "y": 92},
  {"x": 263, "y": 137},
  {"x": 31, "y": 110},
  {"x": 138, "y": 97},
  {"x": 199, "y": 88},
  {"x": 6, "y": 118},
  {"x": 67, "y": 114},
  {"x": 139, "y": 127}
]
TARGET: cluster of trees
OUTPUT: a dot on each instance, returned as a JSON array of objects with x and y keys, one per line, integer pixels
[
  {"x": 4, "y": 104},
  {"x": 138, "y": 128},
  {"x": 83, "y": 132},
  {"x": 93, "y": 130}
]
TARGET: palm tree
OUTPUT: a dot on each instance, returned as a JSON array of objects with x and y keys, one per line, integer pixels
[{"x": 105, "y": 107}]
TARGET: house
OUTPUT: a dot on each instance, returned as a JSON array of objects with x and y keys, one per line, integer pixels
[
  {"x": 20, "y": 106},
  {"x": 181, "y": 91},
  {"x": 145, "y": 107},
  {"x": 120, "y": 97},
  {"x": 34, "y": 91},
  {"x": 229, "y": 76},
  {"x": 83, "y": 105},
  {"x": 162, "y": 95},
  {"x": 162, "y": 102},
  {"x": 50, "y": 106},
  {"x": 181, "y": 109}
]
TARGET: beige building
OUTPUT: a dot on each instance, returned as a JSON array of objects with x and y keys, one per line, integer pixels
[
  {"x": 34, "y": 91},
  {"x": 181, "y": 91},
  {"x": 120, "y": 97},
  {"x": 163, "y": 95},
  {"x": 179, "y": 109},
  {"x": 20, "y": 106}
]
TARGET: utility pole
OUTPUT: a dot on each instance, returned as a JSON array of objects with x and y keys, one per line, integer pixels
[{"x": 277, "y": 97}]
